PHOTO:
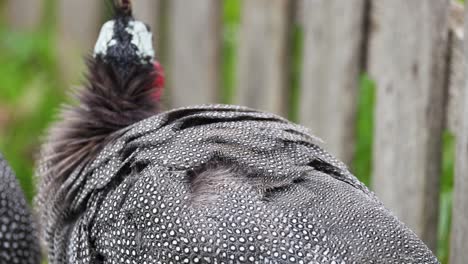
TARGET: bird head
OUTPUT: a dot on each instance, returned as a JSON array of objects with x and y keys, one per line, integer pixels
[{"x": 126, "y": 43}]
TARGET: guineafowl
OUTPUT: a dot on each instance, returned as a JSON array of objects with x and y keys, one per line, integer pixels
[{"x": 124, "y": 182}]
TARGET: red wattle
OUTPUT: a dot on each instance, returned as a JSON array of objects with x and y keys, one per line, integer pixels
[{"x": 159, "y": 81}]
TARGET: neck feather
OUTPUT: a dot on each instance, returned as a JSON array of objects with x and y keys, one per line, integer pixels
[{"x": 107, "y": 104}]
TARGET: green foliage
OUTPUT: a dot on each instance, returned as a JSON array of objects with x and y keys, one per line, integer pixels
[
  {"x": 362, "y": 163},
  {"x": 295, "y": 71},
  {"x": 231, "y": 19},
  {"x": 28, "y": 95},
  {"x": 446, "y": 189}
]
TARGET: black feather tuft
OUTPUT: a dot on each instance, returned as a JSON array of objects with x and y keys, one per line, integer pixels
[{"x": 107, "y": 104}]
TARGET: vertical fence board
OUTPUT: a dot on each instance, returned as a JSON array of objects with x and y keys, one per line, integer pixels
[
  {"x": 459, "y": 252},
  {"x": 147, "y": 11},
  {"x": 194, "y": 51},
  {"x": 79, "y": 23},
  {"x": 456, "y": 67},
  {"x": 407, "y": 60},
  {"x": 331, "y": 67},
  {"x": 24, "y": 14},
  {"x": 262, "y": 70}
]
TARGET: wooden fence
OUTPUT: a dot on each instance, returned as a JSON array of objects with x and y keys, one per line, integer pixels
[{"x": 413, "y": 50}]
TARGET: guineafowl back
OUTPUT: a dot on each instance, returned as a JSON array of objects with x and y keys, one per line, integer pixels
[{"x": 223, "y": 184}]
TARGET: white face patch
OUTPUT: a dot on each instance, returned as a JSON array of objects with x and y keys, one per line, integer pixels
[
  {"x": 105, "y": 39},
  {"x": 142, "y": 38}
]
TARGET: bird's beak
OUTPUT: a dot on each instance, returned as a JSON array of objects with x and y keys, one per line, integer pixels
[{"x": 123, "y": 5}]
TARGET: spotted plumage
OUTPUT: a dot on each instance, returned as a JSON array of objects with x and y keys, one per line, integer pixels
[
  {"x": 18, "y": 237},
  {"x": 224, "y": 184}
]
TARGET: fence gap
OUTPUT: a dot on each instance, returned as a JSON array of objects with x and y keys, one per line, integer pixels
[
  {"x": 231, "y": 24},
  {"x": 445, "y": 197},
  {"x": 361, "y": 164},
  {"x": 296, "y": 36},
  {"x": 362, "y": 160},
  {"x": 409, "y": 113},
  {"x": 161, "y": 37}
]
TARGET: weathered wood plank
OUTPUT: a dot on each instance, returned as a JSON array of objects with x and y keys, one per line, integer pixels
[
  {"x": 194, "y": 48},
  {"x": 24, "y": 14},
  {"x": 150, "y": 12},
  {"x": 407, "y": 60},
  {"x": 459, "y": 252},
  {"x": 262, "y": 70},
  {"x": 147, "y": 11},
  {"x": 456, "y": 68},
  {"x": 79, "y": 23},
  {"x": 333, "y": 36}
]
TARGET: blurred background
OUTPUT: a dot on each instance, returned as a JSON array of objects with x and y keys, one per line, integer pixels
[{"x": 313, "y": 62}]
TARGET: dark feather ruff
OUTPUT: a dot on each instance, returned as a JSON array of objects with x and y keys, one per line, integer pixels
[{"x": 107, "y": 103}]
